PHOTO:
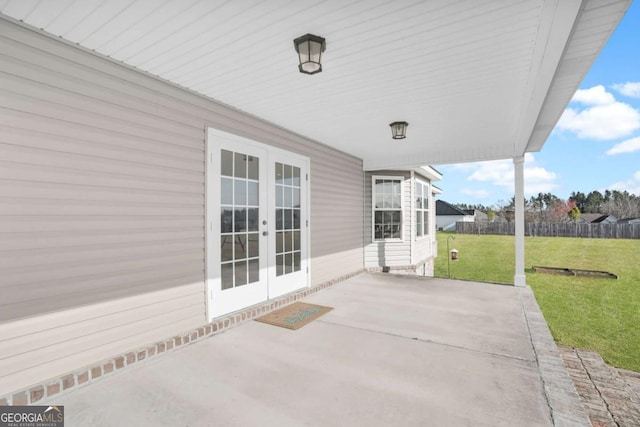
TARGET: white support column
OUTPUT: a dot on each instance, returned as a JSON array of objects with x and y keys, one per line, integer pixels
[{"x": 520, "y": 279}]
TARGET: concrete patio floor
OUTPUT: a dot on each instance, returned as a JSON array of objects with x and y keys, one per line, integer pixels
[{"x": 394, "y": 351}]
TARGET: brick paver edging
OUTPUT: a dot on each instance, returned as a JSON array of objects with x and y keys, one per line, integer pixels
[
  {"x": 89, "y": 374},
  {"x": 563, "y": 400},
  {"x": 606, "y": 394}
]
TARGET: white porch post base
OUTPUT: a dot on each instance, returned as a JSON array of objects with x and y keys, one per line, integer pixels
[{"x": 520, "y": 280}]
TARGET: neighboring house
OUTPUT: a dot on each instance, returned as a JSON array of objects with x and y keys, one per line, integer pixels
[
  {"x": 167, "y": 172},
  {"x": 477, "y": 215},
  {"x": 447, "y": 215},
  {"x": 400, "y": 225},
  {"x": 597, "y": 218}
]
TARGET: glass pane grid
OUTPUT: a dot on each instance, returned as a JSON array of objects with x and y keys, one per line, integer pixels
[
  {"x": 288, "y": 213},
  {"x": 387, "y": 196},
  {"x": 422, "y": 209},
  {"x": 239, "y": 237}
]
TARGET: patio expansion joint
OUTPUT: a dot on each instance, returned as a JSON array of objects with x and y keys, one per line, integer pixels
[{"x": 428, "y": 341}]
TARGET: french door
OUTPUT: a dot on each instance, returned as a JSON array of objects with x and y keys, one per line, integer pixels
[{"x": 257, "y": 216}]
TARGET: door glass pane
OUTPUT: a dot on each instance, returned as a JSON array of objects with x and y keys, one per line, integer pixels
[
  {"x": 226, "y": 219},
  {"x": 288, "y": 197},
  {"x": 279, "y": 219},
  {"x": 254, "y": 271},
  {"x": 296, "y": 197},
  {"x": 296, "y": 241},
  {"x": 241, "y": 273},
  {"x": 226, "y": 163},
  {"x": 288, "y": 219},
  {"x": 288, "y": 241},
  {"x": 296, "y": 261},
  {"x": 288, "y": 263},
  {"x": 279, "y": 265},
  {"x": 296, "y": 177},
  {"x": 296, "y": 219},
  {"x": 226, "y": 248},
  {"x": 240, "y": 165},
  {"x": 253, "y": 222},
  {"x": 227, "y": 276},
  {"x": 253, "y": 250},
  {"x": 287, "y": 245},
  {"x": 288, "y": 174},
  {"x": 253, "y": 193},
  {"x": 279, "y": 242},
  {"x": 240, "y": 192},
  {"x": 240, "y": 245},
  {"x": 239, "y": 219},
  {"x": 226, "y": 191},
  {"x": 254, "y": 168}
]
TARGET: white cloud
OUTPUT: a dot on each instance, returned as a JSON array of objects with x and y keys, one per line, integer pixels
[
  {"x": 501, "y": 173},
  {"x": 604, "y": 118},
  {"x": 630, "y": 89},
  {"x": 538, "y": 180},
  {"x": 596, "y": 95},
  {"x": 602, "y": 122},
  {"x": 631, "y": 185},
  {"x": 476, "y": 194},
  {"x": 496, "y": 172},
  {"x": 628, "y": 146}
]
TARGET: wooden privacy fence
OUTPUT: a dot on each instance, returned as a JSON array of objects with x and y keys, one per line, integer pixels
[{"x": 545, "y": 229}]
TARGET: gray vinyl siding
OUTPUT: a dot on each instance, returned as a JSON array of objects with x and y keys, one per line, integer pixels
[
  {"x": 102, "y": 206},
  {"x": 388, "y": 253}
]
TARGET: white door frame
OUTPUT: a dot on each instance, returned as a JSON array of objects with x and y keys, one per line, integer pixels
[{"x": 212, "y": 214}]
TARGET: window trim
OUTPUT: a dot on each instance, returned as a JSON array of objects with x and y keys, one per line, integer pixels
[
  {"x": 426, "y": 184},
  {"x": 400, "y": 179}
]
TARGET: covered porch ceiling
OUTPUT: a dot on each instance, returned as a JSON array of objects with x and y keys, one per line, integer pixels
[{"x": 476, "y": 80}]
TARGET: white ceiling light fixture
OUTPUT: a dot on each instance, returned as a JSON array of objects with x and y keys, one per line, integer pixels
[
  {"x": 399, "y": 130},
  {"x": 310, "y": 48}
]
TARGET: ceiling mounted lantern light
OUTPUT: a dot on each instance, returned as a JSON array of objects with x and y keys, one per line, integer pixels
[
  {"x": 309, "y": 48},
  {"x": 399, "y": 130}
]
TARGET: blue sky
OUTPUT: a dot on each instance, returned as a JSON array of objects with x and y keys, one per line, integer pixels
[{"x": 594, "y": 146}]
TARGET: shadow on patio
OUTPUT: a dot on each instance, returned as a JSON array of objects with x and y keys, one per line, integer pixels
[{"x": 394, "y": 351}]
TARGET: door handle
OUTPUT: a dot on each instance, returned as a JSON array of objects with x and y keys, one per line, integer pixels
[{"x": 265, "y": 233}]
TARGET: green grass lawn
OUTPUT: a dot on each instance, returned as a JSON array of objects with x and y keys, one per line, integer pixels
[{"x": 599, "y": 314}]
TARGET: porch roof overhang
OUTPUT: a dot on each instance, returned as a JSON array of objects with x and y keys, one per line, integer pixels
[{"x": 475, "y": 80}]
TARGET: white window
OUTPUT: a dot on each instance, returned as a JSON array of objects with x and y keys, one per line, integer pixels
[
  {"x": 422, "y": 192},
  {"x": 387, "y": 207}
]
